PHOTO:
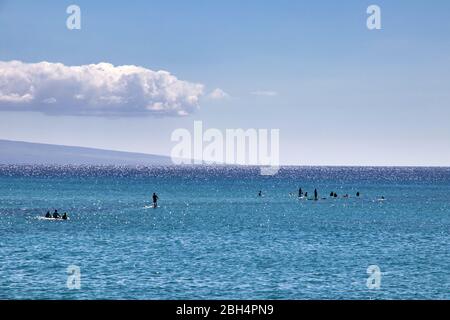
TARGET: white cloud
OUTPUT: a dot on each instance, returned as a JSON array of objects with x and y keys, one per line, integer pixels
[
  {"x": 264, "y": 93},
  {"x": 218, "y": 94},
  {"x": 95, "y": 90}
]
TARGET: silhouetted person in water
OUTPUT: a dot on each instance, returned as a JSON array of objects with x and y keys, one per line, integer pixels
[
  {"x": 56, "y": 215},
  {"x": 64, "y": 217},
  {"x": 260, "y": 193},
  {"x": 332, "y": 194},
  {"x": 48, "y": 215},
  {"x": 357, "y": 194},
  {"x": 316, "y": 195},
  {"x": 306, "y": 194},
  {"x": 300, "y": 192},
  {"x": 155, "y": 200},
  {"x": 335, "y": 195}
]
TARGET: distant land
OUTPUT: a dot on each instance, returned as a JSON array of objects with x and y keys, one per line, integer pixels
[{"x": 18, "y": 152}]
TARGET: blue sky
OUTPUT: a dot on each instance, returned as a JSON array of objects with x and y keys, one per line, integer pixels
[{"x": 345, "y": 95}]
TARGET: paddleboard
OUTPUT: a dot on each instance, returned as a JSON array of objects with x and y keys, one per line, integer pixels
[{"x": 52, "y": 219}]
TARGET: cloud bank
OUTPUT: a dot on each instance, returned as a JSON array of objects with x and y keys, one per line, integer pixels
[{"x": 95, "y": 90}]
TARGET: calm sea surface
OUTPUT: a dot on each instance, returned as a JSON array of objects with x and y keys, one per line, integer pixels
[{"x": 213, "y": 237}]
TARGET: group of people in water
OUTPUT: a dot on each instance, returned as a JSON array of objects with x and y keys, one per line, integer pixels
[
  {"x": 301, "y": 195},
  {"x": 304, "y": 195},
  {"x": 155, "y": 198},
  {"x": 56, "y": 215},
  {"x": 316, "y": 194}
]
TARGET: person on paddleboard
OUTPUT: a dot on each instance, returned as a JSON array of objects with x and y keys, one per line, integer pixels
[{"x": 155, "y": 200}]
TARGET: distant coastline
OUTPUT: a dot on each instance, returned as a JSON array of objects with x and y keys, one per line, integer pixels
[{"x": 28, "y": 153}]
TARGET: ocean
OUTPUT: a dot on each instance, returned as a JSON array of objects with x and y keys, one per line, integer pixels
[{"x": 213, "y": 237}]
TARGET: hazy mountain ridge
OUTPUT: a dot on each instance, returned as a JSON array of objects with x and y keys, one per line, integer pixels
[{"x": 18, "y": 152}]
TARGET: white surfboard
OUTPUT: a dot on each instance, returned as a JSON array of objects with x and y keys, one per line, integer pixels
[{"x": 52, "y": 219}]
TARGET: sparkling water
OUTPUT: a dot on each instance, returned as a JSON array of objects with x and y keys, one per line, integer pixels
[{"x": 213, "y": 237}]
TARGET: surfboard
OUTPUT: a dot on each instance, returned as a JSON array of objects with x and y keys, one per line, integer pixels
[{"x": 52, "y": 219}]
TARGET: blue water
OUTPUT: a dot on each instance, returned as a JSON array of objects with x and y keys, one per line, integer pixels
[{"x": 212, "y": 237}]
